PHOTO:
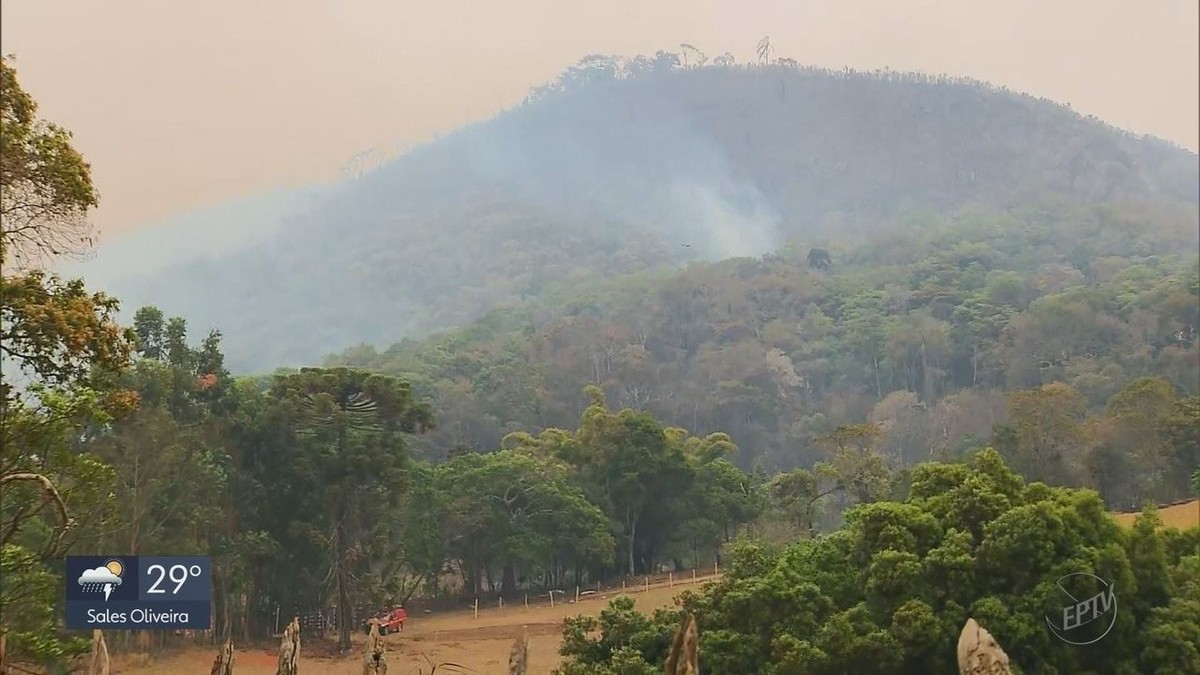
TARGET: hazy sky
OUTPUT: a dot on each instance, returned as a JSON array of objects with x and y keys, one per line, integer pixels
[{"x": 179, "y": 105}]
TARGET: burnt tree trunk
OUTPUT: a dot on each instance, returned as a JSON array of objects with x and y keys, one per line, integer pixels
[
  {"x": 683, "y": 659},
  {"x": 289, "y": 649},
  {"x": 343, "y": 604},
  {"x": 375, "y": 653},
  {"x": 518, "y": 658},
  {"x": 508, "y": 584},
  {"x": 979, "y": 653},
  {"x": 223, "y": 665},
  {"x": 99, "y": 662}
]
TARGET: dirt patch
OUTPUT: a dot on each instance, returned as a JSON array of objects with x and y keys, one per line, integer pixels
[
  {"x": 507, "y": 632},
  {"x": 481, "y": 644}
]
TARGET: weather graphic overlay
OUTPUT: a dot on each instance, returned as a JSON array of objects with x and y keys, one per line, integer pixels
[
  {"x": 103, "y": 578},
  {"x": 139, "y": 592}
]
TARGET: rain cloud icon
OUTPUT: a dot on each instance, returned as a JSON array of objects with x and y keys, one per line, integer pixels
[{"x": 102, "y": 578}]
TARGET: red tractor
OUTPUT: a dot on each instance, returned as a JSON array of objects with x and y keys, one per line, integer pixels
[{"x": 390, "y": 621}]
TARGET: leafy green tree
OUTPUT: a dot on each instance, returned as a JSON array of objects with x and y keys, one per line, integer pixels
[
  {"x": 60, "y": 348},
  {"x": 1049, "y": 437},
  {"x": 170, "y": 482},
  {"x": 721, "y": 499},
  {"x": 628, "y": 642},
  {"x": 889, "y": 592},
  {"x": 1172, "y": 634},
  {"x": 47, "y": 184},
  {"x": 635, "y": 474},
  {"x": 1136, "y": 416},
  {"x": 148, "y": 325},
  {"x": 1181, "y": 433},
  {"x": 422, "y": 522},
  {"x": 513, "y": 514}
]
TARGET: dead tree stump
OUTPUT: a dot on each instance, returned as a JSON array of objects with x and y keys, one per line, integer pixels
[
  {"x": 224, "y": 663},
  {"x": 99, "y": 661},
  {"x": 375, "y": 653},
  {"x": 289, "y": 649},
  {"x": 683, "y": 658},
  {"x": 518, "y": 659},
  {"x": 979, "y": 653}
]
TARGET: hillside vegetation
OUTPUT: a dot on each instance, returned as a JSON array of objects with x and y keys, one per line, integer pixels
[
  {"x": 621, "y": 169},
  {"x": 927, "y": 332}
]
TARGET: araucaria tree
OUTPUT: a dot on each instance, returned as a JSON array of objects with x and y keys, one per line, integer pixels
[{"x": 346, "y": 429}]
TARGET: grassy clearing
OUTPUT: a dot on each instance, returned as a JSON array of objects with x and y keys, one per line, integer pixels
[{"x": 1182, "y": 516}]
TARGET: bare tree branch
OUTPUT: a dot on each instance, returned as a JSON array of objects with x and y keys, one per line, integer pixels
[{"x": 51, "y": 493}]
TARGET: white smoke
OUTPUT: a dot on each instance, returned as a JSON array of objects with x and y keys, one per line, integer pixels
[{"x": 727, "y": 227}]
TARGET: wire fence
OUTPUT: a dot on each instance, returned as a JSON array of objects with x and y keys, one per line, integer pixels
[{"x": 682, "y": 579}]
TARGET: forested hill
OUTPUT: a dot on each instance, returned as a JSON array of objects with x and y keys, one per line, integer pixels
[
  {"x": 623, "y": 167},
  {"x": 934, "y": 332}
]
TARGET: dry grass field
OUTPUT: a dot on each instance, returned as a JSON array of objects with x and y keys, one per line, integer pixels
[
  {"x": 1182, "y": 516},
  {"x": 482, "y": 644}
]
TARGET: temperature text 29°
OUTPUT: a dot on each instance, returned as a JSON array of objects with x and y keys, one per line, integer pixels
[{"x": 179, "y": 579}]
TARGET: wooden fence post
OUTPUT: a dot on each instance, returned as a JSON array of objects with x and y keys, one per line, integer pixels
[{"x": 476, "y": 608}]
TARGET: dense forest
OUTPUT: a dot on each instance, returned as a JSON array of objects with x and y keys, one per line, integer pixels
[
  {"x": 945, "y": 335},
  {"x": 878, "y": 433},
  {"x": 635, "y": 166}
]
